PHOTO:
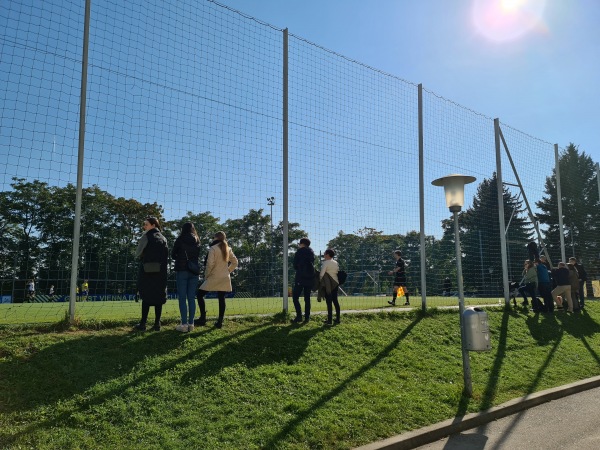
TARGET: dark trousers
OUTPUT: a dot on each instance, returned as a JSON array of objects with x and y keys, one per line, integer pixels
[
  {"x": 546, "y": 293},
  {"x": 529, "y": 288},
  {"x": 298, "y": 289},
  {"x": 332, "y": 300},
  {"x": 202, "y": 304},
  {"x": 146, "y": 310},
  {"x": 581, "y": 293}
]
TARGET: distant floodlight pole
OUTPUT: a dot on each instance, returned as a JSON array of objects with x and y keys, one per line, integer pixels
[{"x": 454, "y": 188}]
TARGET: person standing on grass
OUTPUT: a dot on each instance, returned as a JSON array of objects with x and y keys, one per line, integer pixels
[
  {"x": 330, "y": 283},
  {"x": 574, "y": 280},
  {"x": 305, "y": 275},
  {"x": 220, "y": 262},
  {"x": 544, "y": 286},
  {"x": 545, "y": 262},
  {"x": 85, "y": 288},
  {"x": 186, "y": 248},
  {"x": 399, "y": 273},
  {"x": 563, "y": 286},
  {"x": 30, "y": 290},
  {"x": 582, "y": 279},
  {"x": 152, "y": 280}
]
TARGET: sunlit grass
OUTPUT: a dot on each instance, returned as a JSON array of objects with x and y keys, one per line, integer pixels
[
  {"x": 32, "y": 313},
  {"x": 263, "y": 383}
]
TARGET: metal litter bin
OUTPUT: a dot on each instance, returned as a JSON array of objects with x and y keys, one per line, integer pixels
[{"x": 477, "y": 330}]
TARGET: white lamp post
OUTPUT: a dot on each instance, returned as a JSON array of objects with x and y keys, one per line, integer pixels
[{"x": 454, "y": 188}]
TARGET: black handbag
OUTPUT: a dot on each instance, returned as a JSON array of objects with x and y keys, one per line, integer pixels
[{"x": 192, "y": 266}]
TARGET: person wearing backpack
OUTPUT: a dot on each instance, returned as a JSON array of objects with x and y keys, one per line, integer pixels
[{"x": 329, "y": 282}]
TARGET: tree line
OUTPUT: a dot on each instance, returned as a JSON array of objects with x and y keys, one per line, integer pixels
[{"x": 36, "y": 232}]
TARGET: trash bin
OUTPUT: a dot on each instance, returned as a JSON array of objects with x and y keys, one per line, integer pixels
[{"x": 477, "y": 331}]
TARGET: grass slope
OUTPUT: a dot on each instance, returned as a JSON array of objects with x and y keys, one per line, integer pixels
[
  {"x": 263, "y": 383},
  {"x": 31, "y": 313}
]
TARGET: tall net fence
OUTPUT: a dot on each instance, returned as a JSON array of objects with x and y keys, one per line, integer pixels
[{"x": 184, "y": 122}]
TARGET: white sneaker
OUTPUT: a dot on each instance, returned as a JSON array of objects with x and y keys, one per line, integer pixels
[
  {"x": 182, "y": 327},
  {"x": 190, "y": 327}
]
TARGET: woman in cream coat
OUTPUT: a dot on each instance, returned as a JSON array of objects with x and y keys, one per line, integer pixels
[{"x": 220, "y": 262}]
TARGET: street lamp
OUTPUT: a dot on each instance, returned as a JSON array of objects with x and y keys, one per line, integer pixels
[{"x": 454, "y": 188}]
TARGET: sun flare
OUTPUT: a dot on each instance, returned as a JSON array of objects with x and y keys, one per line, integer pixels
[{"x": 505, "y": 20}]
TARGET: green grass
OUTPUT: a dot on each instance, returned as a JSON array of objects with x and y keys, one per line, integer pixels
[
  {"x": 37, "y": 313},
  {"x": 263, "y": 383}
]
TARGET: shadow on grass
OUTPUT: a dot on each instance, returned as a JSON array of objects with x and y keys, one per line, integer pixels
[
  {"x": 74, "y": 365},
  {"x": 175, "y": 339},
  {"x": 271, "y": 345},
  {"x": 492, "y": 385},
  {"x": 309, "y": 412}
]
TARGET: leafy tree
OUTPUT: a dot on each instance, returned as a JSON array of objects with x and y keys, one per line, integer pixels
[
  {"x": 260, "y": 252},
  {"x": 205, "y": 223},
  {"x": 480, "y": 238},
  {"x": 367, "y": 256},
  {"x": 580, "y": 207}
]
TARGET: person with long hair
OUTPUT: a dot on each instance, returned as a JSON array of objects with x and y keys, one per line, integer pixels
[
  {"x": 152, "y": 280},
  {"x": 186, "y": 249},
  {"x": 219, "y": 264},
  {"x": 529, "y": 286},
  {"x": 330, "y": 282}
]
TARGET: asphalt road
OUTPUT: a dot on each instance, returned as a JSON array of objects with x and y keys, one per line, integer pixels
[{"x": 569, "y": 423}]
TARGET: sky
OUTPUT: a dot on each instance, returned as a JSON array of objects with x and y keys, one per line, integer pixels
[
  {"x": 535, "y": 64},
  {"x": 184, "y": 101}
]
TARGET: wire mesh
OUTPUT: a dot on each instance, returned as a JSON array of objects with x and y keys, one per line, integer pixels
[{"x": 184, "y": 122}]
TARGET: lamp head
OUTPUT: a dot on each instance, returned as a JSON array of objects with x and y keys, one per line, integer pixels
[{"x": 454, "y": 189}]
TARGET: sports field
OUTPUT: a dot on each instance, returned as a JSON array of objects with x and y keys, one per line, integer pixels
[{"x": 31, "y": 313}]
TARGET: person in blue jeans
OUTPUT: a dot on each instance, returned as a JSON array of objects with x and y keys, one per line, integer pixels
[{"x": 186, "y": 248}]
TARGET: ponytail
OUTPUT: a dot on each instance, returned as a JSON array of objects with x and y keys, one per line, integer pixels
[{"x": 222, "y": 238}]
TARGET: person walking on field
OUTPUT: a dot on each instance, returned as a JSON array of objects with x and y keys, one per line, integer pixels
[
  {"x": 220, "y": 262},
  {"x": 329, "y": 282},
  {"x": 399, "y": 273},
  {"x": 186, "y": 249},
  {"x": 30, "y": 290},
  {"x": 152, "y": 281},
  {"x": 305, "y": 275}
]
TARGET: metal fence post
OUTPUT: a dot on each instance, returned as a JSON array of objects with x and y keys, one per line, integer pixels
[
  {"x": 561, "y": 228},
  {"x": 422, "y": 204},
  {"x": 501, "y": 213},
  {"x": 285, "y": 171},
  {"x": 79, "y": 195}
]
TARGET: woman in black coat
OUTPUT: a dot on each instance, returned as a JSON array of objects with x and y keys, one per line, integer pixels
[{"x": 152, "y": 280}]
